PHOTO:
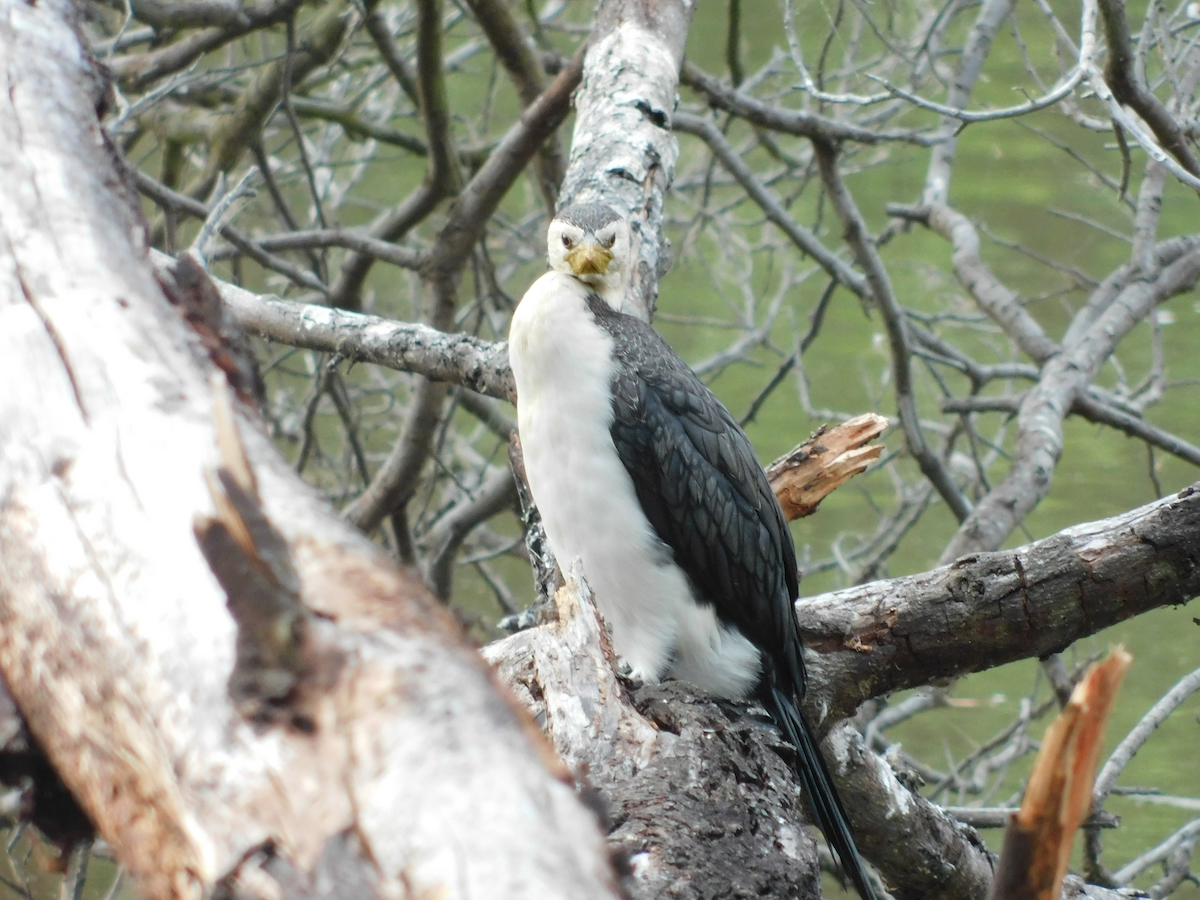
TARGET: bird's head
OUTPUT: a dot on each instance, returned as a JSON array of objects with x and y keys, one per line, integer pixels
[{"x": 590, "y": 242}]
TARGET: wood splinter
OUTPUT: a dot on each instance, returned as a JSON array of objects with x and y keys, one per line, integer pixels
[
  {"x": 1038, "y": 841},
  {"x": 806, "y": 475}
]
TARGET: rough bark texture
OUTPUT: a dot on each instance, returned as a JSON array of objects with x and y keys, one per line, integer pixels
[
  {"x": 412, "y": 347},
  {"x": 921, "y": 851},
  {"x": 623, "y": 151},
  {"x": 863, "y": 642},
  {"x": 695, "y": 793},
  {"x": 115, "y": 639},
  {"x": 992, "y": 608}
]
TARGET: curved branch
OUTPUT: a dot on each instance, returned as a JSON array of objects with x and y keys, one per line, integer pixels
[
  {"x": 867, "y": 255},
  {"x": 140, "y": 71},
  {"x": 1127, "y": 88},
  {"x": 469, "y": 214},
  {"x": 524, "y": 65},
  {"x": 992, "y": 296},
  {"x": 173, "y": 200},
  {"x": 792, "y": 121},
  {"x": 440, "y": 270},
  {"x": 805, "y": 240},
  {"x": 320, "y": 40},
  {"x": 330, "y": 237},
  {"x": 461, "y": 359},
  {"x": 497, "y": 492},
  {"x": 1064, "y": 378}
]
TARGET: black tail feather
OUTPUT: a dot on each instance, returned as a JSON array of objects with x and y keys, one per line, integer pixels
[{"x": 818, "y": 785}]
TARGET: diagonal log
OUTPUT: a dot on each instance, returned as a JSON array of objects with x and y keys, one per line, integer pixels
[{"x": 116, "y": 641}]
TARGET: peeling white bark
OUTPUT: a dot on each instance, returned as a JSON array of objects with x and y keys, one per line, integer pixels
[
  {"x": 623, "y": 151},
  {"x": 582, "y": 708},
  {"x": 115, "y": 639}
]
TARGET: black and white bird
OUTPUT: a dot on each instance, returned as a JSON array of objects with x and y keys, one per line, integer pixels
[{"x": 640, "y": 471}]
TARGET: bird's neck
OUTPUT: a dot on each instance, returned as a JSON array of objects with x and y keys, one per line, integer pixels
[{"x": 610, "y": 290}]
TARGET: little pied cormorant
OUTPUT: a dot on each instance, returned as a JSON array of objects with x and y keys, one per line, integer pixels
[{"x": 638, "y": 469}]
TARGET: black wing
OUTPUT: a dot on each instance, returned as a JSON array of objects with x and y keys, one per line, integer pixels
[{"x": 704, "y": 491}]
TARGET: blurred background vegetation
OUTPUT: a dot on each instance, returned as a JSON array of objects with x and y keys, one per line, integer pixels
[{"x": 1039, "y": 187}]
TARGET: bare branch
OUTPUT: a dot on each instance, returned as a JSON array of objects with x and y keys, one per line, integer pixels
[
  {"x": 138, "y": 72},
  {"x": 232, "y": 134},
  {"x": 992, "y": 296},
  {"x": 1039, "y": 422},
  {"x": 805, "y": 240},
  {"x": 173, "y": 200},
  {"x": 863, "y": 638},
  {"x": 377, "y": 27},
  {"x": 517, "y": 55},
  {"x": 455, "y": 358},
  {"x": 1127, "y": 88},
  {"x": 498, "y": 492},
  {"x": 1133, "y": 741},
  {"x": 790, "y": 121},
  {"x": 867, "y": 255},
  {"x": 471, "y": 210},
  {"x": 332, "y": 237}
]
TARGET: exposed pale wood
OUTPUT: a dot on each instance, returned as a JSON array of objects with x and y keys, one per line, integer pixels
[
  {"x": 411, "y": 776},
  {"x": 806, "y": 475},
  {"x": 1058, "y": 797},
  {"x": 587, "y": 714}
]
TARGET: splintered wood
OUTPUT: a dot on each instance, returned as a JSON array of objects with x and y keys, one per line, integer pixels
[
  {"x": 252, "y": 561},
  {"x": 1059, "y": 795},
  {"x": 805, "y": 476}
]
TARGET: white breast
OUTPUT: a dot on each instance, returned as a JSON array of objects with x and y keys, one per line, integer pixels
[{"x": 562, "y": 363}]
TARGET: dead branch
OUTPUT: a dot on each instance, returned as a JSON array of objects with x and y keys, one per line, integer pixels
[
  {"x": 806, "y": 475},
  {"x": 1058, "y": 796},
  {"x": 116, "y": 641}
]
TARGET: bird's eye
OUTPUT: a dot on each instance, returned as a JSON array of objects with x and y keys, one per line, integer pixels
[
  {"x": 567, "y": 242},
  {"x": 607, "y": 242}
]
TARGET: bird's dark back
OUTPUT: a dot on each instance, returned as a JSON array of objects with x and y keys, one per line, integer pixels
[{"x": 705, "y": 493}]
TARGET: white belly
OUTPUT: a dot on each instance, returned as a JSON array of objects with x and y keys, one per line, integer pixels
[{"x": 562, "y": 363}]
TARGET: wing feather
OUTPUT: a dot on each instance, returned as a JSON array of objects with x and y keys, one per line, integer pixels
[{"x": 704, "y": 491}]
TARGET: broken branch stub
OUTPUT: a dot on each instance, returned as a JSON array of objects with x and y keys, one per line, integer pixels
[
  {"x": 806, "y": 475},
  {"x": 1058, "y": 798}
]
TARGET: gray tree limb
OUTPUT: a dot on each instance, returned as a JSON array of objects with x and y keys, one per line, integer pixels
[
  {"x": 456, "y": 358},
  {"x": 115, "y": 639},
  {"x": 623, "y": 151},
  {"x": 859, "y": 643}
]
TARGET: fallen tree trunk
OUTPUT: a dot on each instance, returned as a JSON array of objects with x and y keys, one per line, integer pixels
[{"x": 410, "y": 776}]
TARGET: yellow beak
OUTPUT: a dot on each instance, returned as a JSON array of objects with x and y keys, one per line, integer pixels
[{"x": 589, "y": 258}]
